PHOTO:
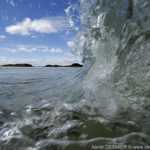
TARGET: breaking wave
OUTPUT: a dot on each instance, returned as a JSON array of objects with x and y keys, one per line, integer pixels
[{"x": 108, "y": 100}]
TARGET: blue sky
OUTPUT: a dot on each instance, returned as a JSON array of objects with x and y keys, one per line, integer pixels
[{"x": 37, "y": 32}]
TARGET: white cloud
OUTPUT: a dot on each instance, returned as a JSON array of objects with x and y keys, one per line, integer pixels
[
  {"x": 2, "y": 37},
  {"x": 52, "y": 50},
  {"x": 43, "y": 25},
  {"x": 70, "y": 44},
  {"x": 24, "y": 48},
  {"x": 32, "y": 48},
  {"x": 19, "y": 48}
]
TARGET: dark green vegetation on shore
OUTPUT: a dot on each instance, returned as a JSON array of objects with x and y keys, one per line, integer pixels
[
  {"x": 17, "y": 65},
  {"x": 29, "y": 65},
  {"x": 73, "y": 65}
]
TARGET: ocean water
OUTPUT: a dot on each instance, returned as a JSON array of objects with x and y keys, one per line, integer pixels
[
  {"x": 24, "y": 86},
  {"x": 107, "y": 102}
]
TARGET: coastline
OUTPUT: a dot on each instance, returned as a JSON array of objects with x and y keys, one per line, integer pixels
[{"x": 74, "y": 65}]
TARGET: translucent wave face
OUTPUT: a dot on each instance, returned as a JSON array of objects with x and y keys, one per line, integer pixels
[
  {"x": 105, "y": 103},
  {"x": 116, "y": 47}
]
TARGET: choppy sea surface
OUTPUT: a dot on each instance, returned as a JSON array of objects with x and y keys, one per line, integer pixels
[
  {"x": 46, "y": 108},
  {"x": 107, "y": 102},
  {"x": 24, "y": 86}
]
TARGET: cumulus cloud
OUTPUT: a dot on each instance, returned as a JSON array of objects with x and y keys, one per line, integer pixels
[
  {"x": 43, "y": 25},
  {"x": 70, "y": 44},
  {"x": 2, "y": 37},
  {"x": 32, "y": 48}
]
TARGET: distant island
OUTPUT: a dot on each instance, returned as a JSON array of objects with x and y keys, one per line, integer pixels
[
  {"x": 73, "y": 65},
  {"x": 17, "y": 65},
  {"x": 29, "y": 65}
]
